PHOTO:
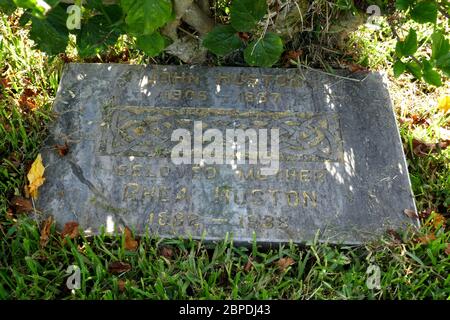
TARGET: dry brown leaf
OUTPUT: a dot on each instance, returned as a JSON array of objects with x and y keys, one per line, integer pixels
[
  {"x": 4, "y": 82},
  {"x": 167, "y": 252},
  {"x": 62, "y": 149},
  {"x": 117, "y": 267},
  {"x": 21, "y": 204},
  {"x": 244, "y": 36},
  {"x": 70, "y": 230},
  {"x": 249, "y": 264},
  {"x": 411, "y": 213},
  {"x": 283, "y": 263},
  {"x": 45, "y": 231},
  {"x": 447, "y": 250},
  {"x": 421, "y": 148},
  {"x": 27, "y": 101},
  {"x": 438, "y": 220},
  {"x": 424, "y": 214},
  {"x": 130, "y": 243},
  {"x": 121, "y": 285},
  {"x": 395, "y": 235},
  {"x": 35, "y": 176},
  {"x": 426, "y": 238},
  {"x": 353, "y": 67}
]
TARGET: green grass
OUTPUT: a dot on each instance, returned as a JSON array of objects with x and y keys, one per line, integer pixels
[{"x": 411, "y": 266}]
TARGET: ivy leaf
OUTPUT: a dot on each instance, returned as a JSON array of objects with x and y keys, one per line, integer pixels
[
  {"x": 415, "y": 69},
  {"x": 409, "y": 45},
  {"x": 440, "y": 46},
  {"x": 245, "y": 14},
  {"x": 51, "y": 34},
  {"x": 403, "y": 4},
  {"x": 7, "y": 6},
  {"x": 443, "y": 62},
  {"x": 96, "y": 35},
  {"x": 38, "y": 8},
  {"x": 143, "y": 17},
  {"x": 222, "y": 40},
  {"x": 264, "y": 52},
  {"x": 430, "y": 75},
  {"x": 152, "y": 44},
  {"x": 399, "y": 67},
  {"x": 425, "y": 11}
]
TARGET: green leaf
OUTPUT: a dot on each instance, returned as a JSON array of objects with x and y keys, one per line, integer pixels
[
  {"x": 440, "y": 46},
  {"x": 403, "y": 4},
  {"x": 152, "y": 44},
  {"x": 432, "y": 77},
  {"x": 38, "y": 8},
  {"x": 51, "y": 34},
  {"x": 245, "y": 14},
  {"x": 443, "y": 61},
  {"x": 399, "y": 49},
  {"x": 264, "y": 52},
  {"x": 408, "y": 46},
  {"x": 143, "y": 17},
  {"x": 7, "y": 6},
  {"x": 344, "y": 4},
  {"x": 425, "y": 11},
  {"x": 415, "y": 69},
  {"x": 95, "y": 35},
  {"x": 222, "y": 40},
  {"x": 399, "y": 67},
  {"x": 410, "y": 43},
  {"x": 445, "y": 70}
]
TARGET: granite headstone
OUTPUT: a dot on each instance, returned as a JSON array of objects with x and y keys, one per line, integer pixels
[{"x": 342, "y": 174}]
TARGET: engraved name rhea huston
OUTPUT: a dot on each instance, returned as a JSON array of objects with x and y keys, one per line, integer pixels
[{"x": 225, "y": 162}]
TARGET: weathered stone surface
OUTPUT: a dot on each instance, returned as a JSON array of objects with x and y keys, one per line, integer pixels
[{"x": 342, "y": 177}]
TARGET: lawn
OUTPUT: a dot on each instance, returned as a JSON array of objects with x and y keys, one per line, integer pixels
[{"x": 412, "y": 264}]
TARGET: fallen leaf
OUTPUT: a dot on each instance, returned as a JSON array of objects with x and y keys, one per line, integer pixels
[
  {"x": 26, "y": 99},
  {"x": 4, "y": 82},
  {"x": 421, "y": 148},
  {"x": 249, "y": 264},
  {"x": 283, "y": 263},
  {"x": 45, "y": 231},
  {"x": 62, "y": 149},
  {"x": 167, "y": 252},
  {"x": 416, "y": 119},
  {"x": 424, "y": 214},
  {"x": 411, "y": 213},
  {"x": 444, "y": 103},
  {"x": 438, "y": 220},
  {"x": 444, "y": 144},
  {"x": 35, "y": 176},
  {"x": 130, "y": 243},
  {"x": 117, "y": 267},
  {"x": 395, "y": 235},
  {"x": 70, "y": 230},
  {"x": 353, "y": 67},
  {"x": 447, "y": 250},
  {"x": 426, "y": 238},
  {"x": 21, "y": 204},
  {"x": 243, "y": 36},
  {"x": 121, "y": 285},
  {"x": 293, "y": 54}
]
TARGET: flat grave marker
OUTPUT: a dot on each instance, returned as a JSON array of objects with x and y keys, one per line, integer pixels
[{"x": 341, "y": 176}]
